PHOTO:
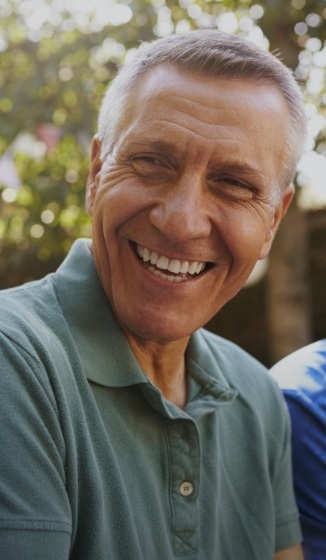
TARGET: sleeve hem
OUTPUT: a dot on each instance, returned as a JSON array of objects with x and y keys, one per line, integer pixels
[{"x": 288, "y": 534}]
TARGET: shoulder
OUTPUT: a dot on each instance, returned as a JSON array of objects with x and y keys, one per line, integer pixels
[
  {"x": 238, "y": 369},
  {"x": 228, "y": 351},
  {"x": 258, "y": 410},
  {"x": 33, "y": 331},
  {"x": 27, "y": 311},
  {"x": 302, "y": 378},
  {"x": 25, "y": 349},
  {"x": 37, "y": 354},
  {"x": 228, "y": 356},
  {"x": 303, "y": 373},
  {"x": 27, "y": 296}
]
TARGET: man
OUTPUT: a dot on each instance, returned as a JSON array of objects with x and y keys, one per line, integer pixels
[
  {"x": 302, "y": 377},
  {"x": 129, "y": 432}
]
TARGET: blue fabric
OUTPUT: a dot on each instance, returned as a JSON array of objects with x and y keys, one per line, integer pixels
[{"x": 302, "y": 378}]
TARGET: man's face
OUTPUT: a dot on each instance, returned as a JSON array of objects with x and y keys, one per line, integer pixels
[{"x": 188, "y": 200}]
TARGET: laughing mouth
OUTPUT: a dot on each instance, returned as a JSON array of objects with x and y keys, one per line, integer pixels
[{"x": 172, "y": 270}]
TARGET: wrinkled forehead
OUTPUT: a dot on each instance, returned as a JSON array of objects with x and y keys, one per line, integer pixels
[
  {"x": 208, "y": 106},
  {"x": 165, "y": 79}
]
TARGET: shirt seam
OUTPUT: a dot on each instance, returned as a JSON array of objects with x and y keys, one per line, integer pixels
[{"x": 35, "y": 525}]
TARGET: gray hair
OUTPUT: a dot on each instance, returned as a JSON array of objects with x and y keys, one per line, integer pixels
[{"x": 211, "y": 53}]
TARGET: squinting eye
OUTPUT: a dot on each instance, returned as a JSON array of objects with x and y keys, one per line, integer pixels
[
  {"x": 233, "y": 188},
  {"x": 152, "y": 167},
  {"x": 146, "y": 161},
  {"x": 235, "y": 183}
]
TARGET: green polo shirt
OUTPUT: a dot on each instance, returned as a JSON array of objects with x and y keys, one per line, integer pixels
[{"x": 96, "y": 465}]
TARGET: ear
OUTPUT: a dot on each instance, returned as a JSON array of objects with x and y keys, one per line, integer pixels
[
  {"x": 93, "y": 176},
  {"x": 280, "y": 212}
]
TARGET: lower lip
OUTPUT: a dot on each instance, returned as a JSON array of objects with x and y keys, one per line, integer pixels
[{"x": 164, "y": 275}]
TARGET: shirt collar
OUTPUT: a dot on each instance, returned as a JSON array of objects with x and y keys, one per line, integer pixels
[{"x": 104, "y": 351}]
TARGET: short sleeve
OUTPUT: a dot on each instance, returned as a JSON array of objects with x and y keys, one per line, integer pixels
[
  {"x": 35, "y": 518},
  {"x": 288, "y": 531}
]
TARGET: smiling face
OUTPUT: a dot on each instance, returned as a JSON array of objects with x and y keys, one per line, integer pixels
[{"x": 188, "y": 200}]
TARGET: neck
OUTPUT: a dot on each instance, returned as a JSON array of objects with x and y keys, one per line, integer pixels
[{"x": 164, "y": 365}]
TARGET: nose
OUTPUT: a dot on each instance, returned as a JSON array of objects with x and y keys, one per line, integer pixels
[{"x": 181, "y": 212}]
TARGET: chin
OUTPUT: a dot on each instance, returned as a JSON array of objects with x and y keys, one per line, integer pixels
[{"x": 160, "y": 333}]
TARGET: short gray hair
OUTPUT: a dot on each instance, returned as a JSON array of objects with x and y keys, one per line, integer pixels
[{"x": 211, "y": 53}]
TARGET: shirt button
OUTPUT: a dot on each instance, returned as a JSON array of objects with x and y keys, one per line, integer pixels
[{"x": 186, "y": 488}]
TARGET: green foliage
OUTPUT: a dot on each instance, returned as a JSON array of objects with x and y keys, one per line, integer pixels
[{"x": 40, "y": 220}]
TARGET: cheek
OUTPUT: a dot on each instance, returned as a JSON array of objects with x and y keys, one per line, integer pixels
[
  {"x": 117, "y": 199},
  {"x": 124, "y": 203},
  {"x": 244, "y": 231}
]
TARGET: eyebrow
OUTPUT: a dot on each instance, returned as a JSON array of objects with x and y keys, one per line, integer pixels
[
  {"x": 243, "y": 168},
  {"x": 157, "y": 145}
]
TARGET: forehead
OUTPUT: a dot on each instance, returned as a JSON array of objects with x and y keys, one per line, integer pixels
[
  {"x": 205, "y": 111},
  {"x": 165, "y": 83}
]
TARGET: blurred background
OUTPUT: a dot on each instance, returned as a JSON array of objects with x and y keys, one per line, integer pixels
[{"x": 57, "y": 58}]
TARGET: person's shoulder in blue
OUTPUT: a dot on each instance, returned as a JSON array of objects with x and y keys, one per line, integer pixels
[{"x": 302, "y": 378}]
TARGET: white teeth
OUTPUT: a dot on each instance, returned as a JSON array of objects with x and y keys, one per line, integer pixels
[
  {"x": 193, "y": 267},
  {"x": 146, "y": 254},
  {"x": 168, "y": 277},
  {"x": 184, "y": 267},
  {"x": 154, "y": 257},
  {"x": 174, "y": 266},
  {"x": 160, "y": 262}
]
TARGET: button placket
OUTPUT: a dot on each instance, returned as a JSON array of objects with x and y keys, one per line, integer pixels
[{"x": 184, "y": 456}]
